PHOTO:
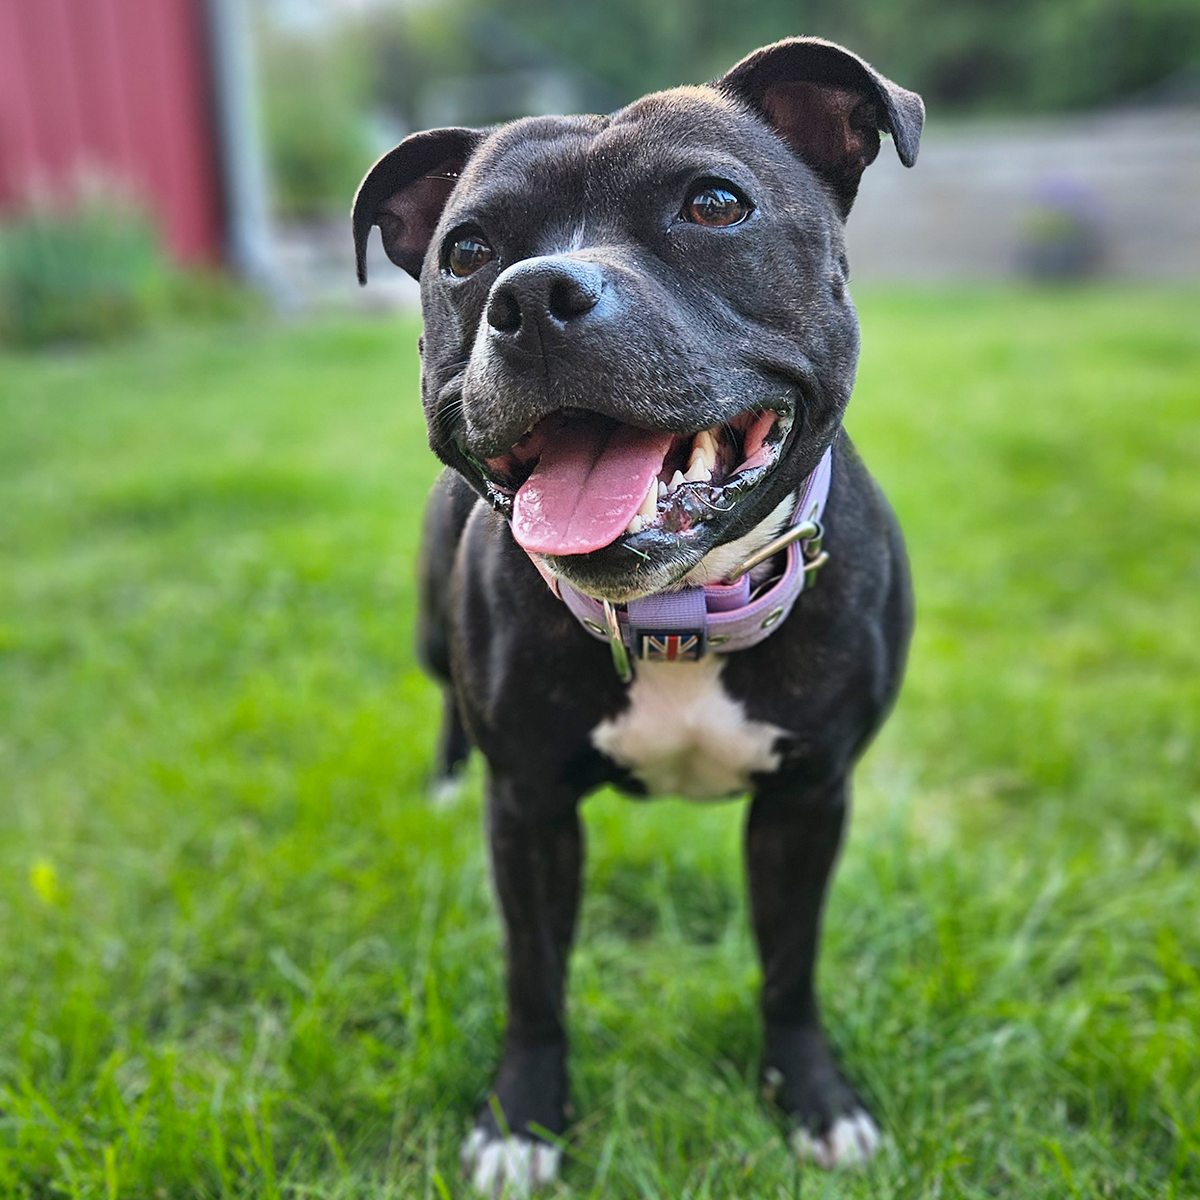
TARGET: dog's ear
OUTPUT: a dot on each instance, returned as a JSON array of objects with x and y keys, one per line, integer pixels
[
  {"x": 404, "y": 194},
  {"x": 829, "y": 106}
]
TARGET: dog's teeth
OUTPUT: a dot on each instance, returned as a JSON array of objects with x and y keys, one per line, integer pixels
[
  {"x": 704, "y": 449},
  {"x": 703, "y": 458},
  {"x": 636, "y": 524},
  {"x": 649, "y": 503},
  {"x": 663, "y": 490},
  {"x": 676, "y": 480}
]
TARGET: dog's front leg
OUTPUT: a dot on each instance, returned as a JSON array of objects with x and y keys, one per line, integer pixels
[
  {"x": 536, "y": 849},
  {"x": 792, "y": 840}
]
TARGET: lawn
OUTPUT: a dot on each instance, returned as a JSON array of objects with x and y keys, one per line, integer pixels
[{"x": 242, "y": 955}]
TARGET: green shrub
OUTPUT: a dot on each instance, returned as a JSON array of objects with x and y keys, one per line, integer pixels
[
  {"x": 200, "y": 295},
  {"x": 88, "y": 270},
  {"x": 94, "y": 270}
]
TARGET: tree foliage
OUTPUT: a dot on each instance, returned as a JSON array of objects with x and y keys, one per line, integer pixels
[
  {"x": 965, "y": 55},
  {"x": 315, "y": 100}
]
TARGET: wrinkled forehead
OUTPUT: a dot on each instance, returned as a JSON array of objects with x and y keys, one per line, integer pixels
[{"x": 571, "y": 165}]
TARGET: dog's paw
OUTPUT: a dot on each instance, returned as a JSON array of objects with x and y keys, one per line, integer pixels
[
  {"x": 830, "y": 1124},
  {"x": 511, "y": 1167},
  {"x": 849, "y": 1142}
]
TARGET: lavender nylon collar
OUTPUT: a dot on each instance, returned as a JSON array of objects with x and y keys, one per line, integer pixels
[{"x": 684, "y": 625}]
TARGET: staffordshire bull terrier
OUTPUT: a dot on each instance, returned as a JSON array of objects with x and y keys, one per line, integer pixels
[{"x": 638, "y": 349}]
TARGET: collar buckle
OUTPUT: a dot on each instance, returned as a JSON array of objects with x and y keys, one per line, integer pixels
[
  {"x": 808, "y": 531},
  {"x": 616, "y": 643}
]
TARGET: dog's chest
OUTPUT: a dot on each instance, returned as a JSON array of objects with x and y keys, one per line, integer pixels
[{"x": 684, "y": 734}]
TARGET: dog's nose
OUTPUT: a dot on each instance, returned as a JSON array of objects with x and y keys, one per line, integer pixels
[{"x": 541, "y": 295}]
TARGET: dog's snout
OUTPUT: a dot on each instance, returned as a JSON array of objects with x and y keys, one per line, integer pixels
[{"x": 541, "y": 293}]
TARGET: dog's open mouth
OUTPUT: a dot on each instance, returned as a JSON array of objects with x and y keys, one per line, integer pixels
[{"x": 579, "y": 481}]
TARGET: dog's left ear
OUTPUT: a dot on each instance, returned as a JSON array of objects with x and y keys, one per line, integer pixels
[
  {"x": 829, "y": 106},
  {"x": 404, "y": 194}
]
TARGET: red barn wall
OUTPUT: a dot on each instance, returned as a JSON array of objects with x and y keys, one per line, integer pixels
[{"x": 117, "y": 88}]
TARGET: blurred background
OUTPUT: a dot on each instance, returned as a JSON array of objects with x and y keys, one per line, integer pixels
[
  {"x": 241, "y": 952},
  {"x": 140, "y": 137}
]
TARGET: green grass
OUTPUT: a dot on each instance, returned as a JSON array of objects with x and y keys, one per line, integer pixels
[{"x": 241, "y": 955}]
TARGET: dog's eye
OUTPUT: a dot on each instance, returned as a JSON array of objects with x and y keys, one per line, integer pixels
[
  {"x": 466, "y": 254},
  {"x": 716, "y": 204}
]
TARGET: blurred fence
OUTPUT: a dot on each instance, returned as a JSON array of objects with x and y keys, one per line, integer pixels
[
  {"x": 984, "y": 198},
  {"x": 1114, "y": 194}
]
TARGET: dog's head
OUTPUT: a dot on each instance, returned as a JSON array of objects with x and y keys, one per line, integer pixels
[{"x": 638, "y": 337}]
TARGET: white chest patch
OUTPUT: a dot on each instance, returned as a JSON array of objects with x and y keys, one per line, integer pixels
[{"x": 682, "y": 732}]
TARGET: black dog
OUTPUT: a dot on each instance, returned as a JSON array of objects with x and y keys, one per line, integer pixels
[{"x": 638, "y": 349}]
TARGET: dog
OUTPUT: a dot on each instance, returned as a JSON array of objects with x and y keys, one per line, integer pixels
[{"x": 638, "y": 348}]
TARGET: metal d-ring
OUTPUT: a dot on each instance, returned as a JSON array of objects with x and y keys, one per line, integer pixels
[
  {"x": 798, "y": 532},
  {"x": 812, "y": 566},
  {"x": 616, "y": 643}
]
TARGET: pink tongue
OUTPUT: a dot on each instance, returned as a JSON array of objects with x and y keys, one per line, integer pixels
[{"x": 589, "y": 482}]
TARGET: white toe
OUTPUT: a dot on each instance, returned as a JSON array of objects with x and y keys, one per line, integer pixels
[
  {"x": 471, "y": 1147},
  {"x": 512, "y": 1167},
  {"x": 849, "y": 1143},
  {"x": 447, "y": 791}
]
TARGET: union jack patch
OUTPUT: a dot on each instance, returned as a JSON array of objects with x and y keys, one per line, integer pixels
[{"x": 670, "y": 647}]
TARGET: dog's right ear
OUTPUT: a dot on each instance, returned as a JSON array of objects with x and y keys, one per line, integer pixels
[
  {"x": 404, "y": 194},
  {"x": 829, "y": 106}
]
